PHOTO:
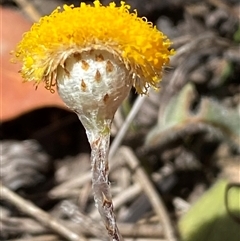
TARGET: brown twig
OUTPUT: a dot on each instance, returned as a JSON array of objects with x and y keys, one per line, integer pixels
[
  {"x": 158, "y": 205},
  {"x": 93, "y": 227},
  {"x": 44, "y": 218},
  {"x": 39, "y": 238}
]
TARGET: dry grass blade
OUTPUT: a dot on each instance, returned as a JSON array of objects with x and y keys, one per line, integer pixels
[
  {"x": 92, "y": 227},
  {"x": 122, "y": 132},
  {"x": 127, "y": 195},
  {"x": 38, "y": 214},
  {"x": 39, "y": 238},
  {"x": 71, "y": 184},
  {"x": 158, "y": 205}
]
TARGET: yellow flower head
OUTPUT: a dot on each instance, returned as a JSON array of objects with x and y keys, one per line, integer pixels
[{"x": 138, "y": 43}]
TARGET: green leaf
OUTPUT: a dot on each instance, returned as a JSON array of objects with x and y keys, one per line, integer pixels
[
  {"x": 179, "y": 120},
  {"x": 208, "y": 219}
]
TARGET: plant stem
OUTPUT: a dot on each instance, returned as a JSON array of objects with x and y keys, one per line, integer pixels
[{"x": 98, "y": 133}]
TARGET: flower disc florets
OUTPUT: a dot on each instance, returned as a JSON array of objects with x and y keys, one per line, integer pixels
[{"x": 143, "y": 49}]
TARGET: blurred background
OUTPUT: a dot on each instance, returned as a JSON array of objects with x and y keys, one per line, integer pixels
[{"x": 186, "y": 137}]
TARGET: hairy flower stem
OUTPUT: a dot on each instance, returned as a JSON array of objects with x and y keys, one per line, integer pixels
[{"x": 99, "y": 135}]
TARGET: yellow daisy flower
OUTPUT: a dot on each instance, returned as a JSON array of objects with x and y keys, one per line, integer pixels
[
  {"x": 138, "y": 44},
  {"x": 94, "y": 55}
]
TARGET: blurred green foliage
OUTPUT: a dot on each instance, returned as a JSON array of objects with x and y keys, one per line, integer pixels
[
  {"x": 208, "y": 219},
  {"x": 179, "y": 119},
  {"x": 236, "y": 36}
]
